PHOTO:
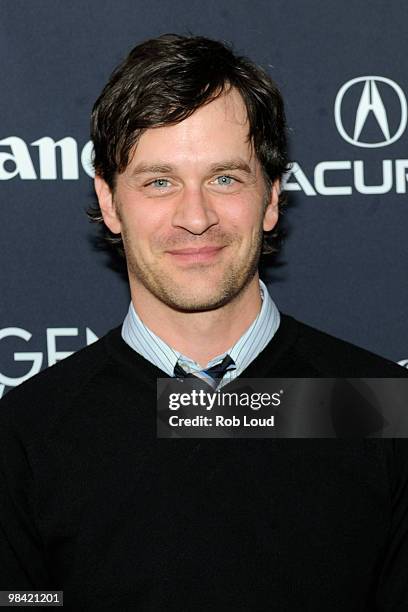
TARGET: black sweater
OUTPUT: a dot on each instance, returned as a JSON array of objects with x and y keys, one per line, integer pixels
[{"x": 92, "y": 503}]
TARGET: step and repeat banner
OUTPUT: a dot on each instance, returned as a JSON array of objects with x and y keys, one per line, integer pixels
[{"x": 342, "y": 69}]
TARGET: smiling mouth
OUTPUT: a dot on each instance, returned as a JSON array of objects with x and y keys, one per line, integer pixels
[{"x": 193, "y": 255}]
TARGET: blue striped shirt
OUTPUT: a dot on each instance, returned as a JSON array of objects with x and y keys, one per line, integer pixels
[{"x": 145, "y": 342}]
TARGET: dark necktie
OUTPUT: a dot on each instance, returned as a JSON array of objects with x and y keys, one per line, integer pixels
[{"x": 210, "y": 376}]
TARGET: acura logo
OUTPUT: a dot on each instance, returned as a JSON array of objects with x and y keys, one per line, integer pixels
[{"x": 371, "y": 107}]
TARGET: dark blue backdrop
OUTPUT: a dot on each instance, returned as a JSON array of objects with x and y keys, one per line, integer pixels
[{"x": 344, "y": 264}]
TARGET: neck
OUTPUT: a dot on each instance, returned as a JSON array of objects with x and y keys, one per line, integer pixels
[{"x": 199, "y": 335}]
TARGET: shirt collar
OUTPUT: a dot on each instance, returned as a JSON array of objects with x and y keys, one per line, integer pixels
[{"x": 145, "y": 342}]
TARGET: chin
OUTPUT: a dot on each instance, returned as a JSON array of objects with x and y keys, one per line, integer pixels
[
  {"x": 197, "y": 303},
  {"x": 189, "y": 307}
]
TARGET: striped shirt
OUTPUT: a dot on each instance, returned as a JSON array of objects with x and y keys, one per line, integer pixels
[{"x": 145, "y": 342}]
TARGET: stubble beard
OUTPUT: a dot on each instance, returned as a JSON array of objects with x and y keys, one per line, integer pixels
[{"x": 181, "y": 296}]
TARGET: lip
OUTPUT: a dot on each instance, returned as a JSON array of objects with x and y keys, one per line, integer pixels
[{"x": 192, "y": 255}]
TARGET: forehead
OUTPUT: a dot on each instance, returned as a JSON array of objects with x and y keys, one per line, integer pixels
[{"x": 214, "y": 130}]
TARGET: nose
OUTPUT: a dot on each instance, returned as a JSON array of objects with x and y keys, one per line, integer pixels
[{"x": 194, "y": 212}]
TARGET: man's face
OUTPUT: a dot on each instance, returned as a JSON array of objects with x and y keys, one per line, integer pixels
[{"x": 191, "y": 207}]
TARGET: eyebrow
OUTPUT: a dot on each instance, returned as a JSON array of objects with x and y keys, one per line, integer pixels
[
  {"x": 222, "y": 166},
  {"x": 232, "y": 164}
]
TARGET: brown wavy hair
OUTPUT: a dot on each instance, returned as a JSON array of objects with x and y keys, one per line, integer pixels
[{"x": 162, "y": 82}]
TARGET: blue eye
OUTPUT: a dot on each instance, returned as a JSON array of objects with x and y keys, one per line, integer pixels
[
  {"x": 224, "y": 180},
  {"x": 160, "y": 183}
]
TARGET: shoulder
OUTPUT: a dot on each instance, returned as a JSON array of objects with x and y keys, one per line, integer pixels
[
  {"x": 332, "y": 356},
  {"x": 42, "y": 398}
]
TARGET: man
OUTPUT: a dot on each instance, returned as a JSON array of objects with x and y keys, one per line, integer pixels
[{"x": 189, "y": 153}]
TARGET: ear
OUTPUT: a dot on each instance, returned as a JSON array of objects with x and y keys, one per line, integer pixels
[
  {"x": 272, "y": 212},
  {"x": 107, "y": 205}
]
